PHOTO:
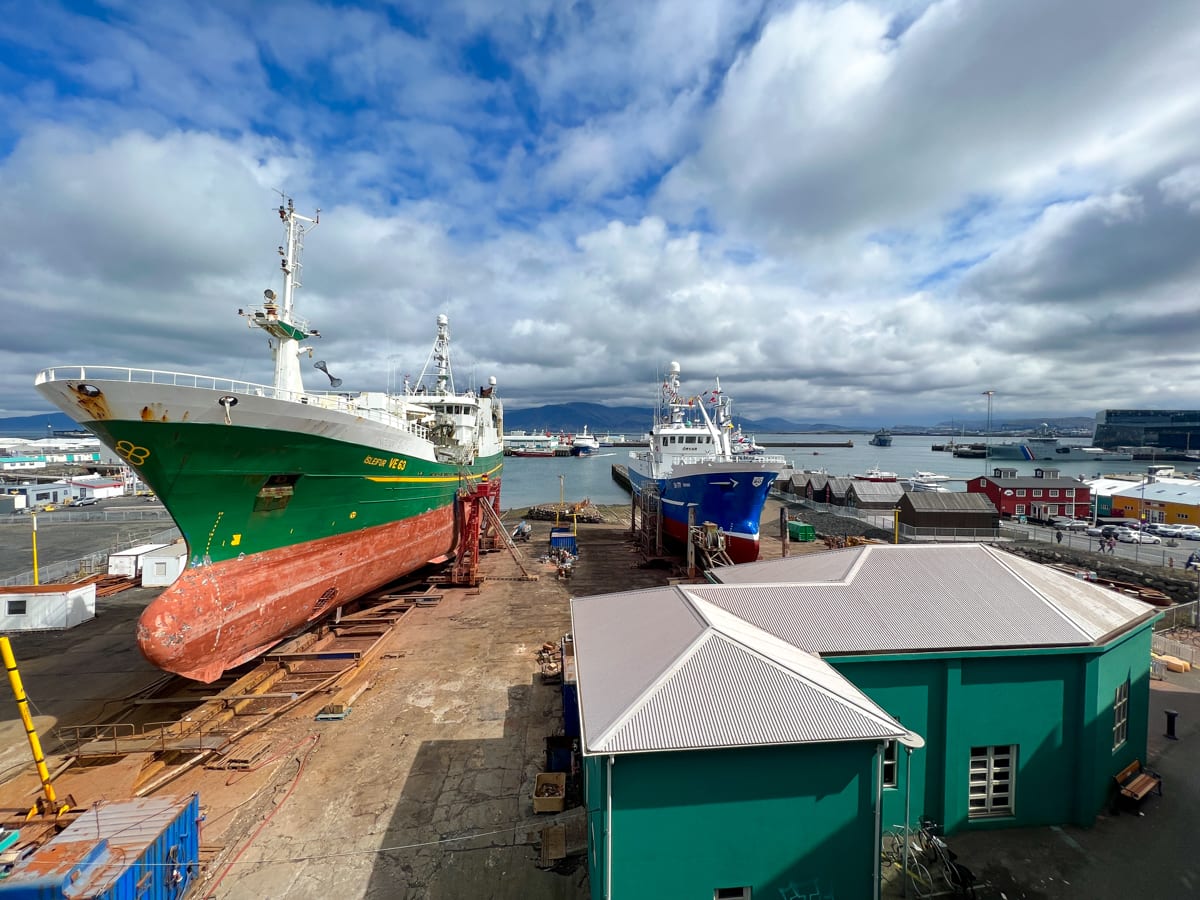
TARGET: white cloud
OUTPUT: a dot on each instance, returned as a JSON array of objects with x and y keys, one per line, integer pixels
[{"x": 842, "y": 209}]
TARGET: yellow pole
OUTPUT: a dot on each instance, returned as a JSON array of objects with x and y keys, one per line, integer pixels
[
  {"x": 35, "y": 565},
  {"x": 14, "y": 679},
  {"x": 896, "y": 525}
]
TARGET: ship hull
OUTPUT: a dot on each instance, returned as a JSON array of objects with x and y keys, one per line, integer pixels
[
  {"x": 289, "y": 510},
  {"x": 731, "y": 495},
  {"x": 215, "y": 617}
]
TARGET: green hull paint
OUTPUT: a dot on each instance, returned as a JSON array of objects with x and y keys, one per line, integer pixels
[{"x": 212, "y": 478}]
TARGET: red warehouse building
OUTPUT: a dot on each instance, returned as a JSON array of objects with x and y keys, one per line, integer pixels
[{"x": 1041, "y": 496}]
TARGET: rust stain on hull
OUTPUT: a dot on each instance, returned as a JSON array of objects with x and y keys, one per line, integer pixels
[
  {"x": 94, "y": 405},
  {"x": 218, "y": 616}
]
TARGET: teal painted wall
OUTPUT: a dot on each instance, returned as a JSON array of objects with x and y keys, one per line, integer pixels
[
  {"x": 763, "y": 817},
  {"x": 1056, "y": 707},
  {"x": 1129, "y": 658}
]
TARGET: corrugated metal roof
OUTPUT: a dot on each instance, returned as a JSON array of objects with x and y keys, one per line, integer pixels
[
  {"x": 656, "y": 635},
  {"x": 956, "y": 501},
  {"x": 1164, "y": 492},
  {"x": 1032, "y": 481},
  {"x": 833, "y": 565},
  {"x": 730, "y": 685},
  {"x": 910, "y": 598},
  {"x": 877, "y": 490}
]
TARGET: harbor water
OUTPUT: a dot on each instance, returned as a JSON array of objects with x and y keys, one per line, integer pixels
[{"x": 532, "y": 480}]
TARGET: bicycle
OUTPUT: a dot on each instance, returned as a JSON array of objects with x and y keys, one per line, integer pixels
[
  {"x": 931, "y": 867},
  {"x": 959, "y": 879},
  {"x": 911, "y": 866}
]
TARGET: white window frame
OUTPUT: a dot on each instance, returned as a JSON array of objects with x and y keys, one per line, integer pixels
[
  {"x": 891, "y": 764},
  {"x": 1037, "y": 492},
  {"x": 1121, "y": 715},
  {"x": 1020, "y": 492},
  {"x": 1053, "y": 492},
  {"x": 991, "y": 782},
  {"x": 1019, "y": 509}
]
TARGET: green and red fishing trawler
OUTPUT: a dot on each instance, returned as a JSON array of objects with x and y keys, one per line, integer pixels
[{"x": 292, "y": 502}]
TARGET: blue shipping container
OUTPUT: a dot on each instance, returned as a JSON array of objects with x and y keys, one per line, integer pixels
[
  {"x": 565, "y": 540},
  {"x": 141, "y": 849}
]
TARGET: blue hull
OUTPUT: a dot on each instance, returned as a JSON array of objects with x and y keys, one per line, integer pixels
[{"x": 733, "y": 500}]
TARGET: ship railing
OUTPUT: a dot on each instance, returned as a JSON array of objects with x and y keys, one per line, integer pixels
[{"x": 322, "y": 399}]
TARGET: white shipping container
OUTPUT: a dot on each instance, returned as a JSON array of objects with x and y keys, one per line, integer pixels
[
  {"x": 47, "y": 607},
  {"x": 129, "y": 562},
  {"x": 162, "y": 566}
]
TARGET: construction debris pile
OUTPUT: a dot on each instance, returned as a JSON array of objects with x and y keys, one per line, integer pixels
[{"x": 107, "y": 585}]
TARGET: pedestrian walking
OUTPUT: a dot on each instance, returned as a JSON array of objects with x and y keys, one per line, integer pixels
[{"x": 1058, "y": 536}]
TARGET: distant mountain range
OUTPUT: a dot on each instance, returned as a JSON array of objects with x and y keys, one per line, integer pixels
[
  {"x": 635, "y": 420},
  {"x": 40, "y": 425},
  {"x": 628, "y": 420}
]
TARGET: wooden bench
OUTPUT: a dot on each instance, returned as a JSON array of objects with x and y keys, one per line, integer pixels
[{"x": 1136, "y": 782}]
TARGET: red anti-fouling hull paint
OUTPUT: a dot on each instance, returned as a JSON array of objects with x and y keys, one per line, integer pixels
[
  {"x": 218, "y": 616},
  {"x": 740, "y": 549}
]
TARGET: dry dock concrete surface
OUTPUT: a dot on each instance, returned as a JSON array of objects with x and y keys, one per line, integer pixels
[{"x": 423, "y": 791}]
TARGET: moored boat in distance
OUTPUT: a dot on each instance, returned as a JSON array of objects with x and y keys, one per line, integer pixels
[
  {"x": 520, "y": 443},
  {"x": 691, "y": 464},
  {"x": 584, "y": 444},
  {"x": 1045, "y": 445},
  {"x": 881, "y": 438},
  {"x": 292, "y": 502},
  {"x": 876, "y": 474}
]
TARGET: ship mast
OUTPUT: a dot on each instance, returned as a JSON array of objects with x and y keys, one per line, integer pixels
[
  {"x": 279, "y": 319},
  {"x": 437, "y": 365}
]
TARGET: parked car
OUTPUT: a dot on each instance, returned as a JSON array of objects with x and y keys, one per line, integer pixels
[
  {"x": 1168, "y": 531},
  {"x": 1127, "y": 536},
  {"x": 1065, "y": 523},
  {"x": 1149, "y": 539},
  {"x": 1192, "y": 534},
  {"x": 84, "y": 501},
  {"x": 1095, "y": 530}
]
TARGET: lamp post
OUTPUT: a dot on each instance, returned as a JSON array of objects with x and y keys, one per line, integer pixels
[
  {"x": 35, "y": 562},
  {"x": 987, "y": 446}
]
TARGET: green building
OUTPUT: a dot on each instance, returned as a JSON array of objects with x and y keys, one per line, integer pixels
[
  {"x": 720, "y": 761},
  {"x": 1030, "y": 688}
]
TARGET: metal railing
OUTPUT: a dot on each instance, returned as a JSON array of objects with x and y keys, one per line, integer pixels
[
  {"x": 320, "y": 399},
  {"x": 885, "y": 521},
  {"x": 83, "y": 516},
  {"x": 1182, "y": 615},
  {"x": 91, "y": 564}
]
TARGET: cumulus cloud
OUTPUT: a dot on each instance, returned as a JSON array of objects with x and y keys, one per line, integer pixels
[{"x": 846, "y": 210}]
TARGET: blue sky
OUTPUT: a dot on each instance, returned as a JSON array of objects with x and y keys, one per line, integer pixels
[{"x": 860, "y": 212}]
